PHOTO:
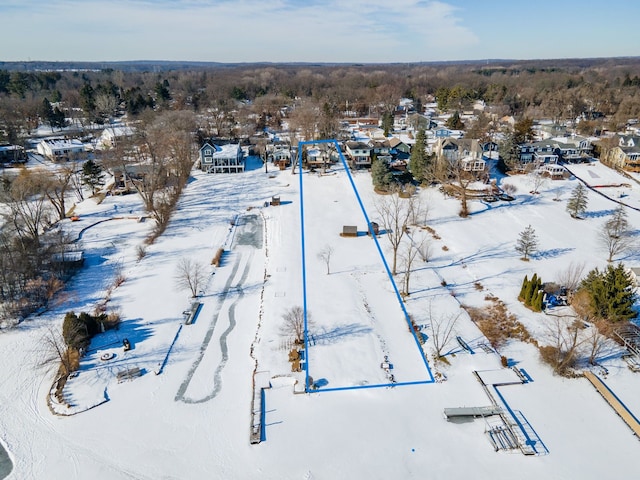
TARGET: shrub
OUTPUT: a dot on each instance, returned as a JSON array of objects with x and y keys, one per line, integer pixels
[
  {"x": 75, "y": 332},
  {"x": 497, "y": 324},
  {"x": 217, "y": 257},
  {"x": 141, "y": 252}
]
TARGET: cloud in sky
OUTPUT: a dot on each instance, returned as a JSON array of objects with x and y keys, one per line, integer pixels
[
  {"x": 305, "y": 30},
  {"x": 233, "y": 31}
]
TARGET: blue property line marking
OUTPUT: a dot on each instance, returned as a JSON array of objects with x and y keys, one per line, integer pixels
[
  {"x": 618, "y": 399},
  {"x": 376, "y": 385},
  {"x": 263, "y": 413},
  {"x": 384, "y": 261},
  {"x": 530, "y": 441},
  {"x": 304, "y": 272}
]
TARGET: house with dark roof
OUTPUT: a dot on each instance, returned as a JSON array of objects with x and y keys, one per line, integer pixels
[
  {"x": 625, "y": 155},
  {"x": 12, "y": 154},
  {"x": 454, "y": 149},
  {"x": 359, "y": 154},
  {"x": 221, "y": 158}
]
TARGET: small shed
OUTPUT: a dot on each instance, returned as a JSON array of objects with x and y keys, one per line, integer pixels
[
  {"x": 275, "y": 200},
  {"x": 349, "y": 231}
]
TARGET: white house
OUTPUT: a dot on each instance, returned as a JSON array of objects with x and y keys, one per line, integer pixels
[
  {"x": 111, "y": 135},
  {"x": 60, "y": 148},
  {"x": 359, "y": 154},
  {"x": 473, "y": 164},
  {"x": 221, "y": 158}
]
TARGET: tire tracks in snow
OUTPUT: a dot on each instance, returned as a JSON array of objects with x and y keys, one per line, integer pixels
[{"x": 217, "y": 381}]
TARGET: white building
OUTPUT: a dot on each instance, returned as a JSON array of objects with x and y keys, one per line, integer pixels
[
  {"x": 60, "y": 148},
  {"x": 110, "y": 136}
]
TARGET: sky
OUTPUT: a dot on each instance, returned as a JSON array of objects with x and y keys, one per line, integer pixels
[{"x": 316, "y": 30}]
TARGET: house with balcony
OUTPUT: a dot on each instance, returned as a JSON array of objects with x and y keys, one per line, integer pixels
[
  {"x": 221, "y": 158},
  {"x": 574, "y": 149},
  {"x": 358, "y": 154},
  {"x": 625, "y": 155},
  {"x": 470, "y": 164},
  {"x": 454, "y": 149},
  {"x": 527, "y": 151}
]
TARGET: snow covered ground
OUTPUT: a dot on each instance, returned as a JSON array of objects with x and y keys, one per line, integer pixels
[{"x": 192, "y": 420}]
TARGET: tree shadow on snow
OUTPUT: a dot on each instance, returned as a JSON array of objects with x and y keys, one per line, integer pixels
[
  {"x": 551, "y": 253},
  {"x": 336, "y": 333},
  {"x": 598, "y": 213}
]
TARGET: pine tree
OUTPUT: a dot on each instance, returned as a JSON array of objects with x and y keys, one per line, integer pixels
[
  {"x": 387, "y": 123},
  {"x": 537, "y": 304},
  {"x": 527, "y": 243},
  {"x": 577, "y": 204},
  {"x": 455, "y": 121},
  {"x": 91, "y": 175},
  {"x": 418, "y": 160},
  {"x": 523, "y": 288},
  {"x": 531, "y": 289},
  {"x": 381, "y": 174},
  {"x": 611, "y": 293}
]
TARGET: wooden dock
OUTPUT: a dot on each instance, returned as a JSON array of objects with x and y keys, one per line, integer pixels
[{"x": 619, "y": 407}]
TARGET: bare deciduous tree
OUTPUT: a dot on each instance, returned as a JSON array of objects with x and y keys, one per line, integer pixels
[
  {"x": 596, "y": 341},
  {"x": 395, "y": 213},
  {"x": 190, "y": 275},
  {"x": 537, "y": 181},
  {"x": 55, "y": 351},
  {"x": 615, "y": 235},
  {"x": 325, "y": 256},
  {"x": 571, "y": 276},
  {"x": 410, "y": 253},
  {"x": 27, "y": 209},
  {"x": 57, "y": 186},
  {"x": 425, "y": 249},
  {"x": 563, "y": 349},
  {"x": 294, "y": 323},
  {"x": 442, "y": 329}
]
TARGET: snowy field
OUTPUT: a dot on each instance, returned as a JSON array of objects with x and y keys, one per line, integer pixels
[{"x": 189, "y": 415}]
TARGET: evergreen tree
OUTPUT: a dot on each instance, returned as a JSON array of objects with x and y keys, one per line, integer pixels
[
  {"x": 538, "y": 301},
  {"x": 532, "y": 291},
  {"x": 87, "y": 98},
  {"x": 455, "y": 121},
  {"x": 577, "y": 204},
  {"x": 381, "y": 174},
  {"x": 508, "y": 151},
  {"x": 92, "y": 175},
  {"x": 46, "y": 111},
  {"x": 74, "y": 331},
  {"x": 523, "y": 288},
  {"x": 387, "y": 123},
  {"x": 162, "y": 91},
  {"x": 418, "y": 160},
  {"x": 611, "y": 293},
  {"x": 523, "y": 131},
  {"x": 527, "y": 243}
]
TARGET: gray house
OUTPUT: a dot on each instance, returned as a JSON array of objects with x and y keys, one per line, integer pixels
[{"x": 221, "y": 158}]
